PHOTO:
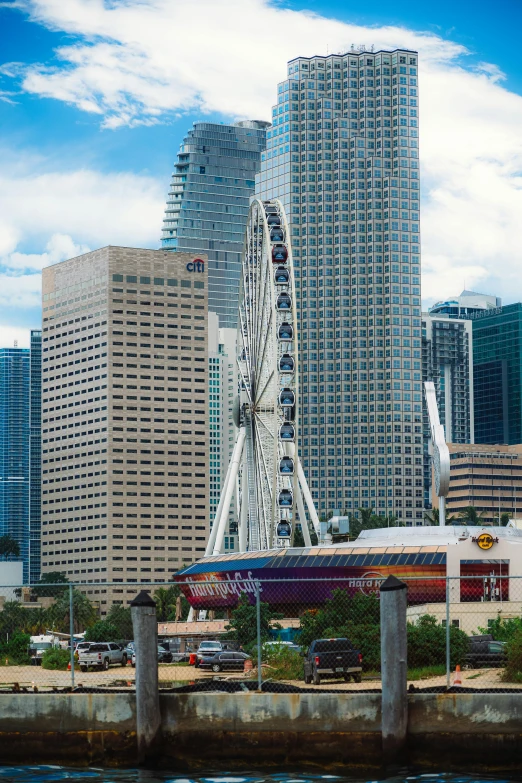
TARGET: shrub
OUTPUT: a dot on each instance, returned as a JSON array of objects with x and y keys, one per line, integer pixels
[
  {"x": 285, "y": 664},
  {"x": 427, "y": 643},
  {"x": 502, "y": 629},
  {"x": 513, "y": 670},
  {"x": 56, "y": 659},
  {"x": 17, "y": 648}
]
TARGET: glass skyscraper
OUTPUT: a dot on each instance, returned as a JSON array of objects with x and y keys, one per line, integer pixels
[
  {"x": 497, "y": 371},
  {"x": 35, "y": 454},
  {"x": 20, "y": 450},
  {"x": 342, "y": 155},
  {"x": 14, "y": 448},
  {"x": 208, "y": 201}
]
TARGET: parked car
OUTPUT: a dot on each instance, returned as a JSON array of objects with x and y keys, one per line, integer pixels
[
  {"x": 101, "y": 655},
  {"x": 485, "y": 651},
  {"x": 82, "y": 646},
  {"x": 332, "y": 658},
  {"x": 208, "y": 649},
  {"x": 164, "y": 656},
  {"x": 224, "y": 661}
]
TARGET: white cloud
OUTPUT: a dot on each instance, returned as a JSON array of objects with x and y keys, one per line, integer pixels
[
  {"x": 9, "y": 335},
  {"x": 139, "y": 61},
  {"x": 95, "y": 209}
]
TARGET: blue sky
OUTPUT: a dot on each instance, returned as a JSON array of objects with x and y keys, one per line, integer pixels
[{"x": 95, "y": 98}]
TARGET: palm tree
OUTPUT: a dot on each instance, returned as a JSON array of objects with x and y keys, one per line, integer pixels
[
  {"x": 433, "y": 517},
  {"x": 9, "y": 547},
  {"x": 165, "y": 598},
  {"x": 471, "y": 516}
]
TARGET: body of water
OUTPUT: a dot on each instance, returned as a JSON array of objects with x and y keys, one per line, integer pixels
[{"x": 53, "y": 774}]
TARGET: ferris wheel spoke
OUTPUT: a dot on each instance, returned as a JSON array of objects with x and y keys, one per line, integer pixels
[{"x": 267, "y": 479}]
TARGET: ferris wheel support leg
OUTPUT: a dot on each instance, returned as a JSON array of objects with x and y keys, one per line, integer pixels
[
  {"x": 308, "y": 498},
  {"x": 302, "y": 518},
  {"x": 213, "y": 532},
  {"x": 228, "y": 490},
  {"x": 243, "y": 514}
]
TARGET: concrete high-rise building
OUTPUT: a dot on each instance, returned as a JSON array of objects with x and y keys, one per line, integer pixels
[
  {"x": 487, "y": 477},
  {"x": 222, "y": 374},
  {"x": 35, "y": 454},
  {"x": 208, "y": 200},
  {"x": 343, "y": 157},
  {"x": 14, "y": 448},
  {"x": 465, "y": 305},
  {"x": 124, "y": 416},
  {"x": 497, "y": 371}
]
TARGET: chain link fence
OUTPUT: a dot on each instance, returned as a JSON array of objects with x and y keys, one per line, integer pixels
[{"x": 463, "y": 633}]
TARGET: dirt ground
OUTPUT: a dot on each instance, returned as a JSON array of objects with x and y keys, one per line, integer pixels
[
  {"x": 119, "y": 676},
  {"x": 29, "y": 676}
]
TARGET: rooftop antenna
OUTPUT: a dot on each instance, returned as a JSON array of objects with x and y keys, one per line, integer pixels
[
  {"x": 16, "y": 343},
  {"x": 372, "y": 48}
]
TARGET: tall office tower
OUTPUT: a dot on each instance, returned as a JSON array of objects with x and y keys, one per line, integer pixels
[
  {"x": 14, "y": 449},
  {"x": 466, "y": 305},
  {"x": 124, "y": 416},
  {"x": 208, "y": 200},
  {"x": 447, "y": 360},
  {"x": 35, "y": 454},
  {"x": 342, "y": 155},
  {"x": 497, "y": 371},
  {"x": 222, "y": 391},
  {"x": 447, "y": 352}
]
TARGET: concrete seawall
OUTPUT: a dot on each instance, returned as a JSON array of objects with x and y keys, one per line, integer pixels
[{"x": 256, "y": 729}]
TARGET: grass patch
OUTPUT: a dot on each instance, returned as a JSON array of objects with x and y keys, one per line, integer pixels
[{"x": 425, "y": 672}]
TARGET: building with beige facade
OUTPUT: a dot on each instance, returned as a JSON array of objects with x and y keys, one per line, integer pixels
[
  {"x": 124, "y": 416},
  {"x": 486, "y": 477}
]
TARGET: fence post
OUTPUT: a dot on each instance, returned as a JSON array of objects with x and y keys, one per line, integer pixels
[
  {"x": 258, "y": 619},
  {"x": 394, "y": 666},
  {"x": 71, "y": 631},
  {"x": 145, "y": 629},
  {"x": 448, "y": 657}
]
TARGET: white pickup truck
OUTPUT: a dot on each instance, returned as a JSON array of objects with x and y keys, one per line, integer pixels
[{"x": 101, "y": 655}]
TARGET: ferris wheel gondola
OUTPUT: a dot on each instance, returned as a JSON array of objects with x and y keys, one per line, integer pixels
[{"x": 265, "y": 463}]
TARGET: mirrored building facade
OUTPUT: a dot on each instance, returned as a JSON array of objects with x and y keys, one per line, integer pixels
[
  {"x": 208, "y": 200},
  {"x": 342, "y": 155}
]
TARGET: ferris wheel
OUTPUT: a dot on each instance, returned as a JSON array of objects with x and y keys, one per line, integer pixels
[{"x": 265, "y": 473}]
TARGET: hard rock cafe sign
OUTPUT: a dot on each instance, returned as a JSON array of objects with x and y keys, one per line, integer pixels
[{"x": 485, "y": 540}]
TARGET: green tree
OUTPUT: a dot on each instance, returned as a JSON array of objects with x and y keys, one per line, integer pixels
[
  {"x": 120, "y": 617},
  {"x": 368, "y": 520},
  {"x": 504, "y": 518},
  {"x": 470, "y": 516},
  {"x": 51, "y": 578},
  {"x": 299, "y": 538},
  {"x": 84, "y": 614},
  {"x": 433, "y": 518},
  {"x": 9, "y": 547},
  {"x": 243, "y": 622},
  {"x": 103, "y": 631}
]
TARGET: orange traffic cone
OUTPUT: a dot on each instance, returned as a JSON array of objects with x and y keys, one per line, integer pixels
[{"x": 458, "y": 679}]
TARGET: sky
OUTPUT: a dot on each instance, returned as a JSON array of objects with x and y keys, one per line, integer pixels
[{"x": 97, "y": 95}]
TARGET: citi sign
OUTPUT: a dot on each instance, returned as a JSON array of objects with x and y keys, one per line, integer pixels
[{"x": 198, "y": 265}]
